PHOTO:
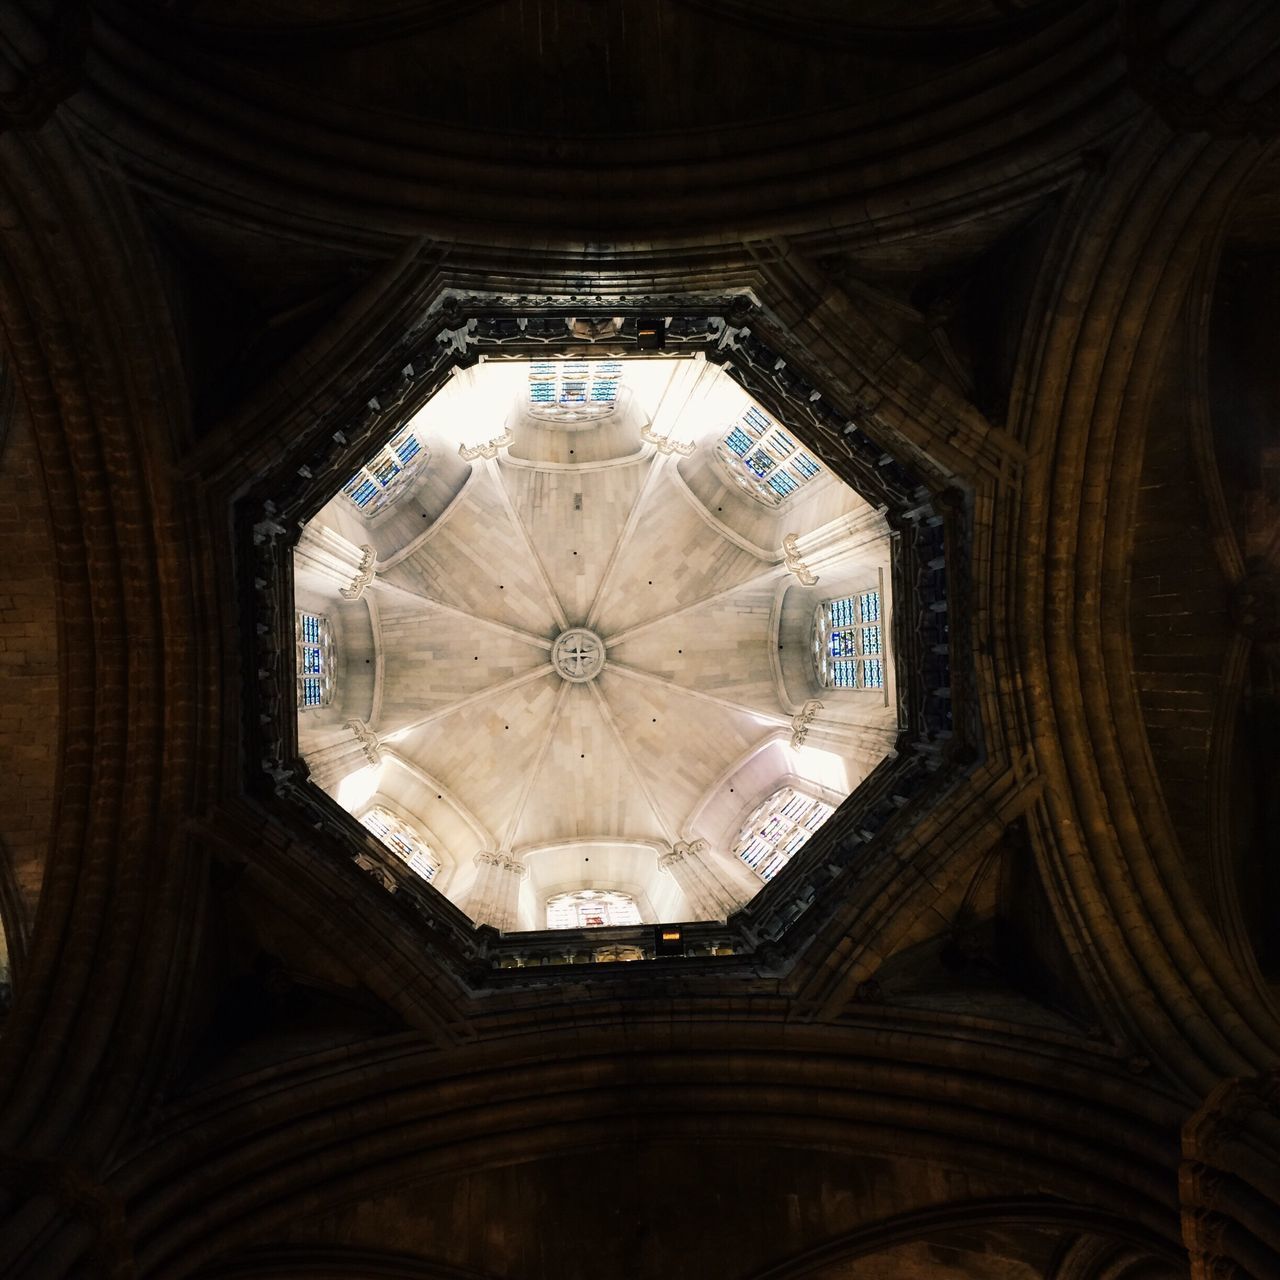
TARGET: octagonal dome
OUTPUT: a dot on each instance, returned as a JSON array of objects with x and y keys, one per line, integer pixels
[{"x": 594, "y": 627}]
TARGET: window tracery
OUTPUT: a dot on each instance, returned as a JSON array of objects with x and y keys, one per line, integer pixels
[
  {"x": 573, "y": 390},
  {"x": 763, "y": 458},
  {"x": 382, "y": 478},
  {"x": 778, "y": 829},
  {"x": 403, "y": 840},
  {"x": 848, "y": 642},
  {"x": 315, "y": 661},
  {"x": 591, "y": 909}
]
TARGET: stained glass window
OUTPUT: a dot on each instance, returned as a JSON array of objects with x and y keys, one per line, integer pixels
[
  {"x": 764, "y": 459},
  {"x": 848, "y": 642},
  {"x": 403, "y": 840},
  {"x": 591, "y": 909},
  {"x": 573, "y": 389},
  {"x": 371, "y": 487},
  {"x": 778, "y": 829},
  {"x": 314, "y": 661}
]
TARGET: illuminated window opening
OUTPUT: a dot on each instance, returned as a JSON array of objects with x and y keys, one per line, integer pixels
[
  {"x": 315, "y": 661},
  {"x": 778, "y": 829},
  {"x": 848, "y": 642},
  {"x": 382, "y": 478},
  {"x": 573, "y": 390},
  {"x": 591, "y": 909},
  {"x": 763, "y": 458},
  {"x": 402, "y": 840}
]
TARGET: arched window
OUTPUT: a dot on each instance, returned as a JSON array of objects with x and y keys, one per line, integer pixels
[
  {"x": 573, "y": 390},
  {"x": 764, "y": 460},
  {"x": 315, "y": 661},
  {"x": 370, "y": 489},
  {"x": 778, "y": 828},
  {"x": 403, "y": 840},
  {"x": 591, "y": 909},
  {"x": 848, "y": 642}
]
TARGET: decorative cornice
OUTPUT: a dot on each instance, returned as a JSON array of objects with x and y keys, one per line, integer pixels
[
  {"x": 665, "y": 444},
  {"x": 795, "y": 564},
  {"x": 364, "y": 575},
  {"x": 802, "y": 720}
]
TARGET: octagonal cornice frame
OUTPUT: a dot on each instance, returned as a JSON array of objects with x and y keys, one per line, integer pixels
[{"x": 938, "y": 732}]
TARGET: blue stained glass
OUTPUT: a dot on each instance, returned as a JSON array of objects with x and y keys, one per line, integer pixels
[
  {"x": 756, "y": 420},
  {"x": 609, "y": 369},
  {"x": 761, "y": 463},
  {"x": 784, "y": 441},
  {"x": 841, "y": 612},
  {"x": 806, "y": 466},
  {"x": 407, "y": 447},
  {"x": 782, "y": 484},
  {"x": 361, "y": 490},
  {"x": 870, "y": 639},
  {"x": 738, "y": 441},
  {"x": 844, "y": 675},
  {"x": 311, "y": 628},
  {"x": 544, "y": 367},
  {"x": 842, "y": 645},
  {"x": 869, "y": 606},
  {"x": 385, "y": 469},
  {"x": 542, "y": 392},
  {"x": 573, "y": 392},
  {"x": 311, "y": 692},
  {"x": 604, "y": 392},
  {"x": 311, "y": 661},
  {"x": 872, "y": 674}
]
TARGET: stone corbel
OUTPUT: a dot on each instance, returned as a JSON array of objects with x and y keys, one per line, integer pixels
[
  {"x": 363, "y": 577},
  {"x": 367, "y": 739},
  {"x": 795, "y": 564},
  {"x": 800, "y": 722},
  {"x": 665, "y": 444},
  {"x": 489, "y": 449}
]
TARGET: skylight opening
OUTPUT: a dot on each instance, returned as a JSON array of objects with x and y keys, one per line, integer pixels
[
  {"x": 384, "y": 477},
  {"x": 779, "y": 829},
  {"x": 763, "y": 458}
]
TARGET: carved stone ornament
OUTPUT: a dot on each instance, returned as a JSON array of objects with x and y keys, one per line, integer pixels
[
  {"x": 800, "y": 722},
  {"x": 368, "y": 741},
  {"x": 681, "y": 850},
  {"x": 794, "y": 563},
  {"x": 364, "y": 575},
  {"x": 665, "y": 444},
  {"x": 503, "y": 862},
  {"x": 366, "y": 863},
  {"x": 489, "y": 449},
  {"x": 578, "y": 655}
]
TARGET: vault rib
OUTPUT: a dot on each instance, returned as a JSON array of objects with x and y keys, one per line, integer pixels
[
  {"x": 667, "y": 829},
  {"x": 633, "y": 518},
  {"x": 518, "y": 633},
  {"x": 480, "y": 695},
  {"x": 526, "y": 789},
  {"x": 557, "y": 611},
  {"x": 765, "y": 574},
  {"x": 663, "y": 682}
]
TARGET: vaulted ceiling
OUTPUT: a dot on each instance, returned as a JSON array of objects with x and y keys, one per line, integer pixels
[
  {"x": 689, "y": 726},
  {"x": 1015, "y": 1019}
]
